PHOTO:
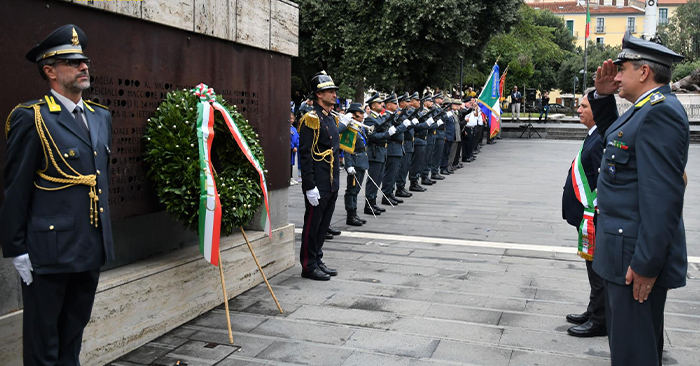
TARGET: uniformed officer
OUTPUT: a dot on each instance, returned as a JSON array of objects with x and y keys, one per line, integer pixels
[
  {"x": 420, "y": 146},
  {"x": 55, "y": 221},
  {"x": 578, "y": 209},
  {"x": 641, "y": 246},
  {"x": 356, "y": 164},
  {"x": 376, "y": 151},
  {"x": 394, "y": 150},
  {"x": 406, "y": 110},
  {"x": 439, "y": 133},
  {"x": 452, "y": 137},
  {"x": 320, "y": 175},
  {"x": 434, "y": 110}
]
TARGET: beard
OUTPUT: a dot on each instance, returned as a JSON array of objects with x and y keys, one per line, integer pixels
[{"x": 72, "y": 84}]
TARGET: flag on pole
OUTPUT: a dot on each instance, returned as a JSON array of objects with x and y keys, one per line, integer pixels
[
  {"x": 503, "y": 84},
  {"x": 489, "y": 101},
  {"x": 588, "y": 20}
]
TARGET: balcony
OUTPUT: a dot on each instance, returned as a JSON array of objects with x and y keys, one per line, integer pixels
[{"x": 600, "y": 29}]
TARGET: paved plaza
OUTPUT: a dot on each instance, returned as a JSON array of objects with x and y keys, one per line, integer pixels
[{"x": 479, "y": 270}]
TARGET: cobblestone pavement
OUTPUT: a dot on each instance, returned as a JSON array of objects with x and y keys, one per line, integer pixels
[{"x": 479, "y": 270}]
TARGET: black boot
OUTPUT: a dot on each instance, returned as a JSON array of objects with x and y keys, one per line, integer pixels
[
  {"x": 395, "y": 199},
  {"x": 376, "y": 207},
  {"x": 415, "y": 187},
  {"x": 437, "y": 176},
  {"x": 352, "y": 219},
  {"x": 369, "y": 210},
  {"x": 402, "y": 192},
  {"x": 360, "y": 219},
  {"x": 389, "y": 202},
  {"x": 426, "y": 182}
]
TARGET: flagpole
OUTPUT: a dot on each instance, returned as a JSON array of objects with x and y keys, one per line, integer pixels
[
  {"x": 250, "y": 247},
  {"x": 223, "y": 286},
  {"x": 585, "y": 46}
]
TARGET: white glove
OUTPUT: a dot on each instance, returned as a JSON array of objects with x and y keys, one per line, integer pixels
[
  {"x": 24, "y": 267},
  {"x": 406, "y": 122},
  {"x": 439, "y": 122},
  {"x": 449, "y": 114},
  {"x": 351, "y": 170},
  {"x": 430, "y": 121},
  {"x": 414, "y": 121},
  {"x": 312, "y": 195},
  {"x": 392, "y": 130},
  {"x": 346, "y": 119}
]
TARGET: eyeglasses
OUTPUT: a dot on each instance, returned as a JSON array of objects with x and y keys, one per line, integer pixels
[{"x": 73, "y": 63}]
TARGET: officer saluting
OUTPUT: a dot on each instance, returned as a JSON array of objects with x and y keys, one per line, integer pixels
[
  {"x": 641, "y": 247},
  {"x": 320, "y": 173},
  {"x": 55, "y": 221}
]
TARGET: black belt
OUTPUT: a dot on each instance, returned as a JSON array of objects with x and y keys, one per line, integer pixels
[{"x": 396, "y": 142}]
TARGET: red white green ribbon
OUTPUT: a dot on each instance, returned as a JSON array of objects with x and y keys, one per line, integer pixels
[
  {"x": 589, "y": 200},
  {"x": 209, "y": 203}
]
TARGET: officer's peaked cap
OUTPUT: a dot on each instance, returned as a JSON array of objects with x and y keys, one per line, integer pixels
[
  {"x": 634, "y": 49},
  {"x": 391, "y": 98},
  {"x": 67, "y": 42},
  {"x": 374, "y": 99},
  {"x": 415, "y": 96},
  {"x": 355, "y": 107}
]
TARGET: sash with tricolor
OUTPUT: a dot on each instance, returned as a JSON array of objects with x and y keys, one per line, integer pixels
[
  {"x": 209, "y": 203},
  {"x": 589, "y": 200}
]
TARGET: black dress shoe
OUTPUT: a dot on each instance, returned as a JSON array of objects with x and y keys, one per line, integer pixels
[
  {"x": 395, "y": 199},
  {"x": 578, "y": 318},
  {"x": 437, "y": 177},
  {"x": 326, "y": 270},
  {"x": 360, "y": 219},
  {"x": 460, "y": 165},
  {"x": 353, "y": 220},
  {"x": 333, "y": 231},
  {"x": 588, "y": 329},
  {"x": 369, "y": 210},
  {"x": 426, "y": 182},
  {"x": 329, "y": 236},
  {"x": 444, "y": 172},
  {"x": 416, "y": 188},
  {"x": 316, "y": 274},
  {"x": 403, "y": 193},
  {"x": 389, "y": 202}
]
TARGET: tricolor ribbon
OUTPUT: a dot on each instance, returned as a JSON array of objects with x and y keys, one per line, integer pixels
[
  {"x": 209, "y": 203},
  {"x": 589, "y": 200}
]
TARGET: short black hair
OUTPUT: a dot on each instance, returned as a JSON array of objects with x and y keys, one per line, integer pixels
[{"x": 662, "y": 74}]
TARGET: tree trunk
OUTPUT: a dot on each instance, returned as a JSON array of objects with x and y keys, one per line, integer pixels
[
  {"x": 689, "y": 83},
  {"x": 360, "y": 92}
]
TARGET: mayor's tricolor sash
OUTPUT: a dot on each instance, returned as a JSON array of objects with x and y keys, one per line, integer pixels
[
  {"x": 209, "y": 203},
  {"x": 589, "y": 200}
]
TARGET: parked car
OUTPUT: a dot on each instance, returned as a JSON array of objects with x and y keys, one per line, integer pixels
[{"x": 558, "y": 108}]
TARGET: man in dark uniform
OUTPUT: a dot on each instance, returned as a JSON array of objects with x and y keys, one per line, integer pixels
[
  {"x": 439, "y": 140},
  {"x": 394, "y": 150},
  {"x": 434, "y": 109},
  {"x": 580, "y": 189},
  {"x": 356, "y": 164},
  {"x": 55, "y": 221},
  {"x": 452, "y": 137},
  {"x": 320, "y": 176},
  {"x": 406, "y": 110},
  {"x": 641, "y": 247},
  {"x": 410, "y": 148},
  {"x": 420, "y": 145},
  {"x": 376, "y": 151}
]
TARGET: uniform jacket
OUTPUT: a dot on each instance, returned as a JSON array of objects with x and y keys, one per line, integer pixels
[
  {"x": 421, "y": 130},
  {"x": 54, "y": 226},
  {"x": 441, "y": 130},
  {"x": 395, "y": 143},
  {"x": 358, "y": 159},
  {"x": 318, "y": 173},
  {"x": 408, "y": 135},
  {"x": 377, "y": 141},
  {"x": 450, "y": 126},
  {"x": 592, "y": 152},
  {"x": 641, "y": 188}
]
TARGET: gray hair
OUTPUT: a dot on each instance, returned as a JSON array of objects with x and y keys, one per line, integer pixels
[{"x": 662, "y": 74}]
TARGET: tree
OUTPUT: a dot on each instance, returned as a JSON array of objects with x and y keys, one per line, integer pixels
[
  {"x": 395, "y": 44},
  {"x": 572, "y": 66},
  {"x": 682, "y": 33},
  {"x": 533, "y": 50}
]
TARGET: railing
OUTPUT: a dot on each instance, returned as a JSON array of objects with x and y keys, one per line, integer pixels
[{"x": 693, "y": 110}]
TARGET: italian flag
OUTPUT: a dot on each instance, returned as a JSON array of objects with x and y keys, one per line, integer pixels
[
  {"x": 588, "y": 20},
  {"x": 489, "y": 102}
]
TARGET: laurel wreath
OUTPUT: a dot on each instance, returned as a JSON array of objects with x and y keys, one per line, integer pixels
[{"x": 173, "y": 158}]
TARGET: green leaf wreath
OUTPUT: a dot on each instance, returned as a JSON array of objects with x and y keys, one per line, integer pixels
[{"x": 173, "y": 156}]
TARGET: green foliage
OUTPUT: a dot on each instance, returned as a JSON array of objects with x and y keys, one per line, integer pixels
[
  {"x": 684, "y": 69},
  {"x": 396, "y": 44},
  {"x": 172, "y": 153},
  {"x": 682, "y": 33},
  {"x": 574, "y": 63},
  {"x": 533, "y": 49}
]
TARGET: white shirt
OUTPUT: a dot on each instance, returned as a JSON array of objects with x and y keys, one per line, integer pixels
[
  {"x": 70, "y": 105},
  {"x": 590, "y": 132}
]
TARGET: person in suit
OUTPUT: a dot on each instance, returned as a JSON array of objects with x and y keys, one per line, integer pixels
[
  {"x": 578, "y": 209},
  {"x": 356, "y": 164},
  {"x": 641, "y": 247},
  {"x": 55, "y": 221},
  {"x": 320, "y": 176},
  {"x": 515, "y": 99}
]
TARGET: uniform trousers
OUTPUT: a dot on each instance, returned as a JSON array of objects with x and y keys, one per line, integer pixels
[
  {"x": 451, "y": 148},
  {"x": 353, "y": 189},
  {"x": 596, "y": 302},
  {"x": 403, "y": 170},
  {"x": 375, "y": 171},
  {"x": 416, "y": 169},
  {"x": 316, "y": 221},
  {"x": 437, "y": 155},
  {"x": 428, "y": 156},
  {"x": 635, "y": 331},
  {"x": 391, "y": 169},
  {"x": 458, "y": 153},
  {"x": 57, "y": 308}
]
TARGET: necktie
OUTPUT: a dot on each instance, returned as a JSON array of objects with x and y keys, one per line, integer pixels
[{"x": 78, "y": 114}]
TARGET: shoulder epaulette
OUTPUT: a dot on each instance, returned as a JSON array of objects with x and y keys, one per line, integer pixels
[
  {"x": 95, "y": 104},
  {"x": 311, "y": 121},
  {"x": 337, "y": 121},
  {"x": 26, "y": 105},
  {"x": 656, "y": 97}
]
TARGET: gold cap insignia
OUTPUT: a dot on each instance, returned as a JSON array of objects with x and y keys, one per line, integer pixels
[
  {"x": 619, "y": 134},
  {"x": 75, "y": 41}
]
